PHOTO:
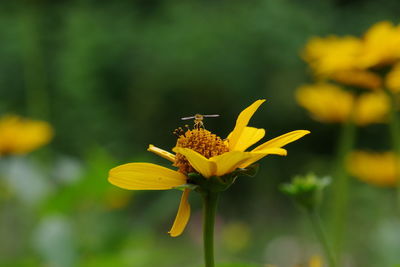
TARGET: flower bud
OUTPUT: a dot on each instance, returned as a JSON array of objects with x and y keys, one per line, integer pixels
[{"x": 306, "y": 190}]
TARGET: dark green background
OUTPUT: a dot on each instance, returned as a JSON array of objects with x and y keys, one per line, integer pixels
[{"x": 115, "y": 76}]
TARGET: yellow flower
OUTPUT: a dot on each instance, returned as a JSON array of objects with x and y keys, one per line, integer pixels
[
  {"x": 116, "y": 199},
  {"x": 337, "y": 58},
  {"x": 315, "y": 261},
  {"x": 381, "y": 45},
  {"x": 371, "y": 108},
  {"x": 331, "y": 104},
  {"x": 393, "y": 79},
  {"x": 202, "y": 152},
  {"x": 21, "y": 136},
  {"x": 374, "y": 168},
  {"x": 327, "y": 56},
  {"x": 326, "y": 102},
  {"x": 236, "y": 236}
]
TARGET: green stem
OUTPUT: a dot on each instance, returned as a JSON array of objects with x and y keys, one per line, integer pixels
[
  {"x": 210, "y": 200},
  {"x": 320, "y": 233},
  {"x": 340, "y": 185},
  {"x": 394, "y": 128}
]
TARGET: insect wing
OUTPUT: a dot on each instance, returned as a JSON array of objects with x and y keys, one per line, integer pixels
[
  {"x": 211, "y": 116},
  {"x": 188, "y": 118},
  {"x": 205, "y": 116}
]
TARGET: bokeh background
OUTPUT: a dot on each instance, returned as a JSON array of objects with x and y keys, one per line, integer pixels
[{"x": 114, "y": 76}]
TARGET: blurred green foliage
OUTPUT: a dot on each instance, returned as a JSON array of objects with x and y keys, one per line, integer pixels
[{"x": 115, "y": 76}]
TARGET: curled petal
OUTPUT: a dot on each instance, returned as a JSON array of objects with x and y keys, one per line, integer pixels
[
  {"x": 241, "y": 122},
  {"x": 162, "y": 153},
  {"x": 200, "y": 163},
  {"x": 145, "y": 176},
  {"x": 183, "y": 215},
  {"x": 249, "y": 137},
  {"x": 282, "y": 140}
]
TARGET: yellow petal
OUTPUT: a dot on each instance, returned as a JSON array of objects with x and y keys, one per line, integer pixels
[
  {"x": 182, "y": 217},
  {"x": 272, "y": 151},
  {"x": 241, "y": 123},
  {"x": 200, "y": 163},
  {"x": 249, "y": 137},
  {"x": 228, "y": 162},
  {"x": 145, "y": 176},
  {"x": 256, "y": 156},
  {"x": 282, "y": 140},
  {"x": 162, "y": 153}
]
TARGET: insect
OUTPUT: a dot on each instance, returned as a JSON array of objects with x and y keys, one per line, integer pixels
[{"x": 198, "y": 119}]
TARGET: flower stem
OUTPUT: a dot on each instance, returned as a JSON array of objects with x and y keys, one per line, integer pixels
[
  {"x": 320, "y": 232},
  {"x": 340, "y": 185},
  {"x": 210, "y": 200}
]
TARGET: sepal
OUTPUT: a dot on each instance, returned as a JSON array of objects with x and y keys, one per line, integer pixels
[
  {"x": 250, "y": 171},
  {"x": 186, "y": 186},
  {"x": 217, "y": 183},
  {"x": 212, "y": 184}
]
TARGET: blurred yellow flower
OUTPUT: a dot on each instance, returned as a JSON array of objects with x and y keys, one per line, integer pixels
[
  {"x": 381, "y": 45},
  {"x": 325, "y": 102},
  {"x": 236, "y": 236},
  {"x": 21, "y": 136},
  {"x": 331, "y": 104},
  {"x": 373, "y": 167},
  {"x": 393, "y": 79},
  {"x": 315, "y": 261},
  {"x": 337, "y": 58},
  {"x": 327, "y": 56},
  {"x": 115, "y": 198},
  {"x": 371, "y": 108},
  {"x": 200, "y": 151}
]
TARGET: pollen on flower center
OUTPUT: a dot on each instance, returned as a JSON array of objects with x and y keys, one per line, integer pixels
[{"x": 201, "y": 141}]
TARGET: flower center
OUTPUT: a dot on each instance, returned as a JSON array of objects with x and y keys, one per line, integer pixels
[{"x": 201, "y": 141}]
